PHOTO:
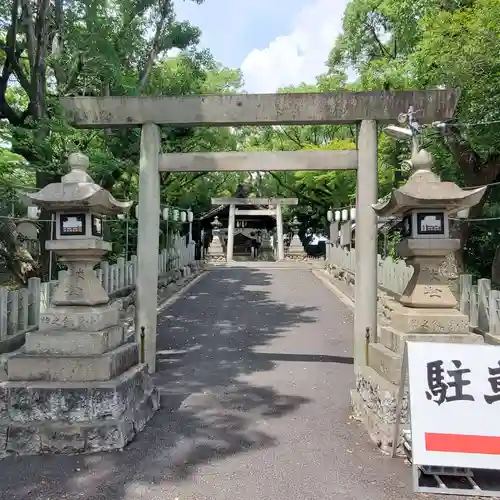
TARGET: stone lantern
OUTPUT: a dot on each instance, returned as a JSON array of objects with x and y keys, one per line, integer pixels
[
  {"x": 216, "y": 250},
  {"x": 424, "y": 203},
  {"x": 96, "y": 394},
  {"x": 296, "y": 249}
]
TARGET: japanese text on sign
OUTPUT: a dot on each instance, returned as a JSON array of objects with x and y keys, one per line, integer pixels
[{"x": 450, "y": 385}]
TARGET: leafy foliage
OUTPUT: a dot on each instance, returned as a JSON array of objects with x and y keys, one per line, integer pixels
[{"x": 53, "y": 48}]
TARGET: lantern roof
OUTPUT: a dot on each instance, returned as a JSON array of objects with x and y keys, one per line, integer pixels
[
  {"x": 424, "y": 189},
  {"x": 78, "y": 191}
]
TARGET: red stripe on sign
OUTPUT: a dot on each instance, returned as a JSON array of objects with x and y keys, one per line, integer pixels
[{"x": 461, "y": 443}]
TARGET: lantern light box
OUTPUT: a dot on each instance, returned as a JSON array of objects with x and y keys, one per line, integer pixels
[{"x": 78, "y": 225}]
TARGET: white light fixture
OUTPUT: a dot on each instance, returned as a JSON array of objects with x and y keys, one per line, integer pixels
[
  {"x": 166, "y": 213},
  {"x": 329, "y": 216},
  {"x": 338, "y": 215},
  {"x": 34, "y": 212},
  {"x": 190, "y": 216},
  {"x": 398, "y": 132},
  {"x": 121, "y": 216},
  {"x": 183, "y": 216},
  {"x": 352, "y": 213},
  {"x": 345, "y": 214},
  {"x": 175, "y": 215},
  {"x": 137, "y": 211}
]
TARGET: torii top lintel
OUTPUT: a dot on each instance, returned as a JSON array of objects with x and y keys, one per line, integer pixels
[
  {"x": 254, "y": 201},
  {"x": 259, "y": 109}
]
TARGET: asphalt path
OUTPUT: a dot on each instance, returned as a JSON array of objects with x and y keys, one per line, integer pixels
[{"x": 255, "y": 369}]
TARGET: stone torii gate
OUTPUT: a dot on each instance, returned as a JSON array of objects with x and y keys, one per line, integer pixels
[
  {"x": 277, "y": 203},
  {"x": 364, "y": 109}
]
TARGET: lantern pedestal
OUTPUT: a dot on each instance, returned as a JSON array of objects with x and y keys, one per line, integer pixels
[
  {"x": 426, "y": 311},
  {"x": 78, "y": 386},
  {"x": 216, "y": 250},
  {"x": 428, "y": 287},
  {"x": 296, "y": 249}
]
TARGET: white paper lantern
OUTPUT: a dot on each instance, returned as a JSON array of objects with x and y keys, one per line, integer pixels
[
  {"x": 121, "y": 216},
  {"x": 345, "y": 214},
  {"x": 137, "y": 211},
  {"x": 175, "y": 215},
  {"x": 166, "y": 213},
  {"x": 352, "y": 213},
  {"x": 329, "y": 216},
  {"x": 34, "y": 212},
  {"x": 337, "y": 215},
  {"x": 190, "y": 216},
  {"x": 183, "y": 216}
]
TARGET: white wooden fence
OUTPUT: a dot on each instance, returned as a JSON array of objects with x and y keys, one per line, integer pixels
[
  {"x": 20, "y": 309},
  {"x": 480, "y": 303},
  {"x": 477, "y": 300},
  {"x": 393, "y": 275}
]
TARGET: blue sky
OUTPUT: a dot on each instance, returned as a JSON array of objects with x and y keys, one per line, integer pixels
[{"x": 275, "y": 42}]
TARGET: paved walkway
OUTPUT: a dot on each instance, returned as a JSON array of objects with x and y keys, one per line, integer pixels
[{"x": 255, "y": 369}]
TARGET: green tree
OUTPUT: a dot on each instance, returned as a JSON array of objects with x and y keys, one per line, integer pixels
[
  {"x": 405, "y": 44},
  {"x": 94, "y": 47}
]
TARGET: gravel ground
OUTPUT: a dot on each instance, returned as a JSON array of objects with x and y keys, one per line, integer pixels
[{"x": 255, "y": 368}]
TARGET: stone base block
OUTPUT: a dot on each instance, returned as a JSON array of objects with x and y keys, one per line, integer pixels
[
  {"x": 82, "y": 318},
  {"x": 28, "y": 367},
  {"x": 394, "y": 340},
  {"x": 374, "y": 402},
  {"x": 419, "y": 320},
  {"x": 51, "y": 417},
  {"x": 381, "y": 433},
  {"x": 296, "y": 256},
  {"x": 216, "y": 258},
  {"x": 266, "y": 255},
  {"x": 385, "y": 362},
  {"x": 73, "y": 343}
]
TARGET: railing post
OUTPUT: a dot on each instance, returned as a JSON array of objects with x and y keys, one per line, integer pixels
[
  {"x": 13, "y": 316},
  {"x": 23, "y": 313},
  {"x": 494, "y": 323},
  {"x": 34, "y": 290},
  {"x": 120, "y": 264},
  {"x": 105, "y": 276},
  {"x": 4, "y": 307},
  {"x": 484, "y": 289}
]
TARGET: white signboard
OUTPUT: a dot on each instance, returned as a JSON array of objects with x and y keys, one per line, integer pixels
[{"x": 455, "y": 404}]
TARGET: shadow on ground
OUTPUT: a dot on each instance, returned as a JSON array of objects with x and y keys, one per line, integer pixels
[{"x": 207, "y": 342}]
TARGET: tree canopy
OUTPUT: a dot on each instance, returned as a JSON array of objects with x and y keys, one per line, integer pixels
[{"x": 50, "y": 49}]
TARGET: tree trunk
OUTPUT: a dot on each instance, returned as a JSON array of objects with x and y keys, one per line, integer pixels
[
  {"x": 18, "y": 259},
  {"x": 477, "y": 172}
]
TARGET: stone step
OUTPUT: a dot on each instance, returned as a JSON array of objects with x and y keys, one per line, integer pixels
[
  {"x": 73, "y": 343},
  {"x": 394, "y": 340},
  {"x": 373, "y": 382},
  {"x": 26, "y": 367},
  {"x": 75, "y": 417},
  {"x": 385, "y": 362}
]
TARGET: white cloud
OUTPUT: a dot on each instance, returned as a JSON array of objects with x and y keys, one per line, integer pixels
[
  {"x": 173, "y": 52},
  {"x": 299, "y": 56}
]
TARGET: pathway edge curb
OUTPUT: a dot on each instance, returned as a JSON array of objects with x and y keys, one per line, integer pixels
[
  {"x": 335, "y": 290},
  {"x": 179, "y": 293}
]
